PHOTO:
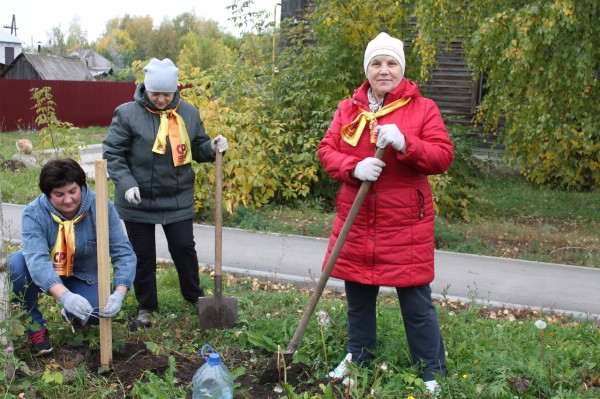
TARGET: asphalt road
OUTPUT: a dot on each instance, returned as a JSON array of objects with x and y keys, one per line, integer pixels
[{"x": 493, "y": 281}]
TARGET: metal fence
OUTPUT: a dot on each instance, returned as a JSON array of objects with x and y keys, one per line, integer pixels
[{"x": 81, "y": 103}]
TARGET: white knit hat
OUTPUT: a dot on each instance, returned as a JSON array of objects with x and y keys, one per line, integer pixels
[
  {"x": 384, "y": 44},
  {"x": 161, "y": 76}
]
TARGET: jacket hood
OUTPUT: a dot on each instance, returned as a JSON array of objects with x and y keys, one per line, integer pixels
[
  {"x": 87, "y": 199},
  {"x": 406, "y": 89},
  {"x": 141, "y": 97}
]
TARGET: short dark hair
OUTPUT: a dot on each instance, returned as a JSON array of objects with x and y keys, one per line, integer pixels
[{"x": 59, "y": 172}]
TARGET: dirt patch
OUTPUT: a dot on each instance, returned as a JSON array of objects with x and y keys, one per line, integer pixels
[{"x": 133, "y": 362}]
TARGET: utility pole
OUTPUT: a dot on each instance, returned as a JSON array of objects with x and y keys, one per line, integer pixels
[{"x": 13, "y": 26}]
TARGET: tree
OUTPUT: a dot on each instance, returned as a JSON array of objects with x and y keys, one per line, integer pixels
[
  {"x": 56, "y": 41},
  {"x": 542, "y": 62},
  {"x": 202, "y": 52},
  {"x": 76, "y": 36},
  {"x": 117, "y": 46}
]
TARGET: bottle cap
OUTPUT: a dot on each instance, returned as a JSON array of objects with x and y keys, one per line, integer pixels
[{"x": 213, "y": 358}]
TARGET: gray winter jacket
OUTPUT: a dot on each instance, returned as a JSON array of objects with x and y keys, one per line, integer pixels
[{"x": 167, "y": 191}]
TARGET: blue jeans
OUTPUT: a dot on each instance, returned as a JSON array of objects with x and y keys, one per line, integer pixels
[{"x": 26, "y": 292}]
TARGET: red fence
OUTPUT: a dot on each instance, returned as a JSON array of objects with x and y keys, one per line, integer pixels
[{"x": 81, "y": 103}]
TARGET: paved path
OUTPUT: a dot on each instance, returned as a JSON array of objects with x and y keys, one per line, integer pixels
[{"x": 494, "y": 281}]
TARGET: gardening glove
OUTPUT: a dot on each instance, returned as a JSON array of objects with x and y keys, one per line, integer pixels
[
  {"x": 113, "y": 304},
  {"x": 76, "y": 305},
  {"x": 390, "y": 134},
  {"x": 219, "y": 142},
  {"x": 368, "y": 169},
  {"x": 133, "y": 196}
]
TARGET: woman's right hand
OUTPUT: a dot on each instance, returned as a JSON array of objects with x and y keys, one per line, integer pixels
[
  {"x": 133, "y": 196},
  {"x": 76, "y": 305},
  {"x": 368, "y": 169}
]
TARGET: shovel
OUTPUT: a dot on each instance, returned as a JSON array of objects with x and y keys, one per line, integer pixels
[
  {"x": 280, "y": 360},
  {"x": 218, "y": 311}
]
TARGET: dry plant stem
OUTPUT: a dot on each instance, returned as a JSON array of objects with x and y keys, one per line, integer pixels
[
  {"x": 281, "y": 365},
  {"x": 542, "y": 345},
  {"x": 324, "y": 347},
  {"x": 376, "y": 376}
]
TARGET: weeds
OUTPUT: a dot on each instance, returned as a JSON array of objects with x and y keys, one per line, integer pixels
[{"x": 492, "y": 353}]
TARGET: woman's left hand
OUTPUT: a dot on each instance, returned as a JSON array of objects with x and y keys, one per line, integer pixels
[
  {"x": 219, "y": 143},
  {"x": 113, "y": 304},
  {"x": 390, "y": 134}
]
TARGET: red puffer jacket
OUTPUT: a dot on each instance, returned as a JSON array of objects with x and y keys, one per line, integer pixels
[{"x": 391, "y": 242}]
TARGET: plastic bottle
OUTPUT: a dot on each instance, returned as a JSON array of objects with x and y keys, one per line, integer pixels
[{"x": 212, "y": 379}]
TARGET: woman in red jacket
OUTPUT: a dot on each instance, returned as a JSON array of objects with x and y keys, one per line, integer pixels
[{"x": 391, "y": 242}]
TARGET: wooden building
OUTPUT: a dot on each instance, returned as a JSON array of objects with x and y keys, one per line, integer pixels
[
  {"x": 96, "y": 64},
  {"x": 46, "y": 67},
  {"x": 452, "y": 85},
  {"x": 10, "y": 47}
]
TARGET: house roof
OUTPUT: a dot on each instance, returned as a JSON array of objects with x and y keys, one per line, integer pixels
[
  {"x": 8, "y": 38},
  {"x": 52, "y": 67},
  {"x": 91, "y": 58},
  {"x": 97, "y": 64}
]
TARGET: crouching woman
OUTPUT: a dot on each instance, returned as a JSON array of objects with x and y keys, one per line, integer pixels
[{"x": 59, "y": 255}]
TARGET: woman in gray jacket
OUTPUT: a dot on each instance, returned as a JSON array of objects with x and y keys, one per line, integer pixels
[{"x": 149, "y": 149}]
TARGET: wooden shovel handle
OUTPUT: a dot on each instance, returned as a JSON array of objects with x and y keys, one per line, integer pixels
[
  {"x": 218, "y": 223},
  {"x": 335, "y": 252}
]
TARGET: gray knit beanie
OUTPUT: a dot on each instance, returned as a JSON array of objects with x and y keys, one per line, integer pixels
[{"x": 161, "y": 76}]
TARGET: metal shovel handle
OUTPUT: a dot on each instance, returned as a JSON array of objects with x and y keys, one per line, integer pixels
[{"x": 335, "y": 252}]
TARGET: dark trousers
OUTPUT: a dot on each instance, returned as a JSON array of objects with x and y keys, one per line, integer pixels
[
  {"x": 180, "y": 239},
  {"x": 420, "y": 322}
]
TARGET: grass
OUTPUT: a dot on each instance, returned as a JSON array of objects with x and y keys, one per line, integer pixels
[
  {"x": 512, "y": 218},
  {"x": 491, "y": 353}
]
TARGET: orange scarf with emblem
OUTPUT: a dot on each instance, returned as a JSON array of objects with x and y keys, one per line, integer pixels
[
  {"x": 173, "y": 127},
  {"x": 63, "y": 252}
]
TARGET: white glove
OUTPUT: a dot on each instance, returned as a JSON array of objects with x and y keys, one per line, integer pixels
[
  {"x": 219, "y": 142},
  {"x": 133, "y": 196},
  {"x": 77, "y": 305},
  {"x": 113, "y": 304},
  {"x": 390, "y": 134},
  {"x": 368, "y": 169}
]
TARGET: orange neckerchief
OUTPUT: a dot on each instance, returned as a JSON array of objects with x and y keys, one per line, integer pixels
[
  {"x": 173, "y": 126},
  {"x": 351, "y": 132},
  {"x": 63, "y": 253}
]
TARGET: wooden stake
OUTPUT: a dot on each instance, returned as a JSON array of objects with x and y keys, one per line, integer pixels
[{"x": 103, "y": 259}]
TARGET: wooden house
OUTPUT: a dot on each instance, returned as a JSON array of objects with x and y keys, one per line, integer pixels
[
  {"x": 46, "y": 67},
  {"x": 453, "y": 87},
  {"x": 96, "y": 64}
]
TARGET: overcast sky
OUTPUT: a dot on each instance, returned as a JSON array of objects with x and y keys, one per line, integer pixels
[{"x": 35, "y": 18}]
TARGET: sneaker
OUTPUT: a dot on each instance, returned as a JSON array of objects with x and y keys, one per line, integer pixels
[
  {"x": 40, "y": 342},
  {"x": 143, "y": 319},
  {"x": 433, "y": 387},
  {"x": 341, "y": 370},
  {"x": 74, "y": 322}
]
